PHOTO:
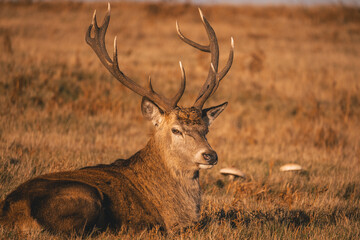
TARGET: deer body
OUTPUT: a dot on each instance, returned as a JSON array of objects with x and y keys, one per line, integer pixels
[
  {"x": 140, "y": 191},
  {"x": 157, "y": 186}
]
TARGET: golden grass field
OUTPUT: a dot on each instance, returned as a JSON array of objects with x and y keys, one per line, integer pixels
[{"x": 293, "y": 92}]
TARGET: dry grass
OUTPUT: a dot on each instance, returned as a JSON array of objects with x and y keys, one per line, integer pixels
[{"x": 294, "y": 96}]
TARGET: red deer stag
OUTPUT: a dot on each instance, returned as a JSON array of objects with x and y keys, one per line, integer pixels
[{"x": 157, "y": 186}]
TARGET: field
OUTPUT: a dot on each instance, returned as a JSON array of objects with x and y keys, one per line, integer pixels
[{"x": 293, "y": 92}]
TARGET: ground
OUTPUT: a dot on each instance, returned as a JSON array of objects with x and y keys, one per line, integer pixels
[{"x": 293, "y": 93}]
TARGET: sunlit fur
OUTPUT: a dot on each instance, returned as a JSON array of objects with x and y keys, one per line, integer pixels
[
  {"x": 186, "y": 149},
  {"x": 157, "y": 186}
]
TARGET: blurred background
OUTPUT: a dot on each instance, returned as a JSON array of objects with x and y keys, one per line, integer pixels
[
  {"x": 293, "y": 93},
  {"x": 235, "y": 2}
]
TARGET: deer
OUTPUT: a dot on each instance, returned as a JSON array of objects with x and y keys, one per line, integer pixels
[{"x": 158, "y": 186}]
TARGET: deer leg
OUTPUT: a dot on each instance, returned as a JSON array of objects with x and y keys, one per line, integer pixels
[
  {"x": 17, "y": 215},
  {"x": 70, "y": 207}
]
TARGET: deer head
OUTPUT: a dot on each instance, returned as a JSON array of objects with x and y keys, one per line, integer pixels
[{"x": 180, "y": 131}]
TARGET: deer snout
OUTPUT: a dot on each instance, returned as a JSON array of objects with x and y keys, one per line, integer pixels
[{"x": 210, "y": 157}]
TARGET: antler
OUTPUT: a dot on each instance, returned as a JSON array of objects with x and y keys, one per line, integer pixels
[
  {"x": 97, "y": 43},
  {"x": 214, "y": 77}
]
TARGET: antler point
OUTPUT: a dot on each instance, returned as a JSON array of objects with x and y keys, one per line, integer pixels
[
  {"x": 232, "y": 42},
  {"x": 212, "y": 67},
  {"x": 177, "y": 28},
  {"x": 182, "y": 70},
  {"x": 202, "y": 15},
  {"x": 150, "y": 85},
  {"x": 115, "y": 44},
  {"x": 94, "y": 18},
  {"x": 109, "y": 7}
]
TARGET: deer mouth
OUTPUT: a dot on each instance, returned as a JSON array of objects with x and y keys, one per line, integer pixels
[
  {"x": 209, "y": 160},
  {"x": 206, "y": 165}
]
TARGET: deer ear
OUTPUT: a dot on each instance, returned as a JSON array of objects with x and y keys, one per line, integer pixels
[
  {"x": 151, "y": 111},
  {"x": 209, "y": 114}
]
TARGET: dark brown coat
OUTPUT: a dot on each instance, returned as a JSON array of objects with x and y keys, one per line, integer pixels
[{"x": 138, "y": 192}]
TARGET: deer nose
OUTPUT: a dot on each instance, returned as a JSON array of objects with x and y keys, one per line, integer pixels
[{"x": 211, "y": 157}]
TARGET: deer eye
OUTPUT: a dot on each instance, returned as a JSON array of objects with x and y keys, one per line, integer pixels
[{"x": 176, "y": 132}]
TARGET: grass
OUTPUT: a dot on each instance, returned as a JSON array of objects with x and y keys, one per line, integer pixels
[{"x": 294, "y": 95}]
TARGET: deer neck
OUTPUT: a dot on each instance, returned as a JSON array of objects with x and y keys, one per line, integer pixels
[
  {"x": 165, "y": 182},
  {"x": 158, "y": 156}
]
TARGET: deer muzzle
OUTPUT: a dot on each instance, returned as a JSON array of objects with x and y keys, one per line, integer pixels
[{"x": 210, "y": 159}]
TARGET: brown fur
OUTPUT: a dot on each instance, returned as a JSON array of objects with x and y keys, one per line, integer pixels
[
  {"x": 157, "y": 186},
  {"x": 126, "y": 192},
  {"x": 189, "y": 116}
]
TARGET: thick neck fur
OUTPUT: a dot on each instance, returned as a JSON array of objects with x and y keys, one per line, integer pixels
[
  {"x": 176, "y": 193},
  {"x": 160, "y": 155}
]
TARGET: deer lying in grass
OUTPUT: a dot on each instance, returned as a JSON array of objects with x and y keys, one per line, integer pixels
[{"x": 157, "y": 186}]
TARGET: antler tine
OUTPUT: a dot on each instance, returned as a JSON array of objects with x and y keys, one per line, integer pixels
[
  {"x": 150, "y": 85},
  {"x": 229, "y": 62},
  {"x": 179, "y": 94},
  {"x": 226, "y": 69},
  {"x": 97, "y": 43},
  {"x": 190, "y": 42},
  {"x": 213, "y": 79}
]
